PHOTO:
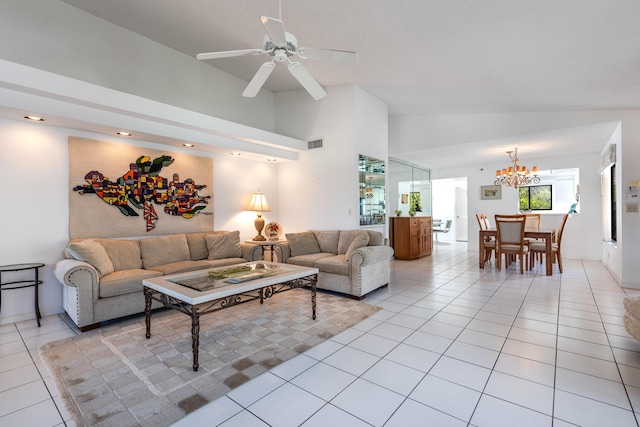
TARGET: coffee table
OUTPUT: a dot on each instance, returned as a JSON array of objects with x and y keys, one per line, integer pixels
[{"x": 196, "y": 294}]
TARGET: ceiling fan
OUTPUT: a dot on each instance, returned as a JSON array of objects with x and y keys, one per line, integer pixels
[{"x": 282, "y": 46}]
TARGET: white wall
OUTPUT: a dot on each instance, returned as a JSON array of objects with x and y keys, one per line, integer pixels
[
  {"x": 320, "y": 190},
  {"x": 34, "y": 219}
]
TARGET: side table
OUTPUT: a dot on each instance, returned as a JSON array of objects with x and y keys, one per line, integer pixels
[
  {"x": 271, "y": 244},
  {"x": 19, "y": 284}
]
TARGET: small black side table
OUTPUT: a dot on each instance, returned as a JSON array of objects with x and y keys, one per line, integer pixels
[{"x": 19, "y": 284}]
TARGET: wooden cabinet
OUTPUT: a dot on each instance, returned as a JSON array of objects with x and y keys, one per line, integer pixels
[{"x": 411, "y": 237}]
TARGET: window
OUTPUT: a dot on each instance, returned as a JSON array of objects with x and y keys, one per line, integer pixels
[
  {"x": 538, "y": 197},
  {"x": 557, "y": 192}
]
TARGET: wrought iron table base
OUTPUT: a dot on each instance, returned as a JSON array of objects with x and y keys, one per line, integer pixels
[{"x": 195, "y": 311}]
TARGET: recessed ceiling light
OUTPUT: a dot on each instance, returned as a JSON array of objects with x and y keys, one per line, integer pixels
[
  {"x": 271, "y": 160},
  {"x": 235, "y": 154},
  {"x": 188, "y": 145},
  {"x": 34, "y": 118},
  {"x": 123, "y": 133}
]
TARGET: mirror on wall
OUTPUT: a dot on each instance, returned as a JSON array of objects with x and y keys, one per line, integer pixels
[
  {"x": 409, "y": 189},
  {"x": 372, "y": 190}
]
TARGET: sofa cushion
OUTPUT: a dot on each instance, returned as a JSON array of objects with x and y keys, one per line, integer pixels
[
  {"x": 327, "y": 240},
  {"x": 224, "y": 245},
  {"x": 182, "y": 266},
  {"x": 125, "y": 282},
  {"x": 164, "y": 250},
  {"x": 197, "y": 246},
  {"x": 360, "y": 241},
  {"x": 336, "y": 264},
  {"x": 124, "y": 254},
  {"x": 308, "y": 260},
  {"x": 346, "y": 238},
  {"x": 376, "y": 238},
  {"x": 92, "y": 252},
  {"x": 302, "y": 243}
]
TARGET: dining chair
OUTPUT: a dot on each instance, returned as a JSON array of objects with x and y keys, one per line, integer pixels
[
  {"x": 540, "y": 248},
  {"x": 510, "y": 241},
  {"x": 489, "y": 242},
  {"x": 533, "y": 223}
]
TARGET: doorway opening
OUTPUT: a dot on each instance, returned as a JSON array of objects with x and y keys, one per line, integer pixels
[{"x": 449, "y": 202}]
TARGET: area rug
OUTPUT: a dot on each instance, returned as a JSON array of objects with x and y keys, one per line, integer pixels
[{"x": 114, "y": 376}]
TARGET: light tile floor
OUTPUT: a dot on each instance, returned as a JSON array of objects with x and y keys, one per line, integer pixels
[
  {"x": 453, "y": 346},
  {"x": 28, "y": 397}
]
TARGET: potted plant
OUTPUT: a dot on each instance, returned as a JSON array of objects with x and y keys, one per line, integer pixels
[
  {"x": 412, "y": 213},
  {"x": 398, "y": 212}
]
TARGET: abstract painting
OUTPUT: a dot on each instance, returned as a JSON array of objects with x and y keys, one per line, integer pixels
[{"x": 120, "y": 190}]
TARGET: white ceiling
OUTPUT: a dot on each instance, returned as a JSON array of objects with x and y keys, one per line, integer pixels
[{"x": 424, "y": 56}]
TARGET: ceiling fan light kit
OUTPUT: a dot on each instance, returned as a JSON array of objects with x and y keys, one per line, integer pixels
[{"x": 281, "y": 46}]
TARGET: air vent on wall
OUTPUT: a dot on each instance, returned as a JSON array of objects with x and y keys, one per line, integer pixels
[{"x": 316, "y": 143}]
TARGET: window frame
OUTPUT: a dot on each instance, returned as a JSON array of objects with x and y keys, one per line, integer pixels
[{"x": 528, "y": 190}]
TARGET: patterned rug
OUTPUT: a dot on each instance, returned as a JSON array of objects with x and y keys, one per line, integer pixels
[{"x": 114, "y": 376}]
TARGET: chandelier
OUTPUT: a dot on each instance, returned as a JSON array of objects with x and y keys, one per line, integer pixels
[{"x": 516, "y": 175}]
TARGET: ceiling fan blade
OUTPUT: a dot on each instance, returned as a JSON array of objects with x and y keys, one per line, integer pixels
[
  {"x": 342, "y": 56},
  {"x": 275, "y": 30},
  {"x": 228, "y": 54},
  {"x": 258, "y": 79},
  {"x": 306, "y": 80}
]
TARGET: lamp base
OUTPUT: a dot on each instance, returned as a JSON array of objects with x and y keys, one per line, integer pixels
[{"x": 259, "y": 223}]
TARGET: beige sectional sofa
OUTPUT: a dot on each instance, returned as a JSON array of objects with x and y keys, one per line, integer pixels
[
  {"x": 103, "y": 277},
  {"x": 353, "y": 262}
]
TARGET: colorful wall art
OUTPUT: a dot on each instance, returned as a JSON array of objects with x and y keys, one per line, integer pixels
[{"x": 121, "y": 190}]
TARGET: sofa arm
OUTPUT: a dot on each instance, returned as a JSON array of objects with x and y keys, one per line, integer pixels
[
  {"x": 82, "y": 281},
  {"x": 369, "y": 269},
  {"x": 282, "y": 251},
  {"x": 251, "y": 252},
  {"x": 370, "y": 255}
]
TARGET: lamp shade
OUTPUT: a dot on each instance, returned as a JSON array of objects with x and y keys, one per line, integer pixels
[{"x": 258, "y": 203}]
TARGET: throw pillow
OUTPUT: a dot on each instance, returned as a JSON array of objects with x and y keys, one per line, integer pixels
[
  {"x": 198, "y": 245},
  {"x": 163, "y": 250},
  {"x": 361, "y": 240},
  {"x": 124, "y": 254},
  {"x": 327, "y": 240},
  {"x": 375, "y": 238},
  {"x": 346, "y": 238},
  {"x": 90, "y": 251},
  {"x": 302, "y": 243},
  {"x": 224, "y": 245}
]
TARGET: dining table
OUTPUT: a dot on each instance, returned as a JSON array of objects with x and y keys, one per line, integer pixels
[{"x": 547, "y": 234}]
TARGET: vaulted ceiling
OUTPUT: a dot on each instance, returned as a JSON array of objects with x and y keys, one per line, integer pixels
[
  {"x": 427, "y": 56},
  {"x": 422, "y": 56}
]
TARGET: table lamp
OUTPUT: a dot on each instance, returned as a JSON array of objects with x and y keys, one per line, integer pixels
[{"x": 259, "y": 204}]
